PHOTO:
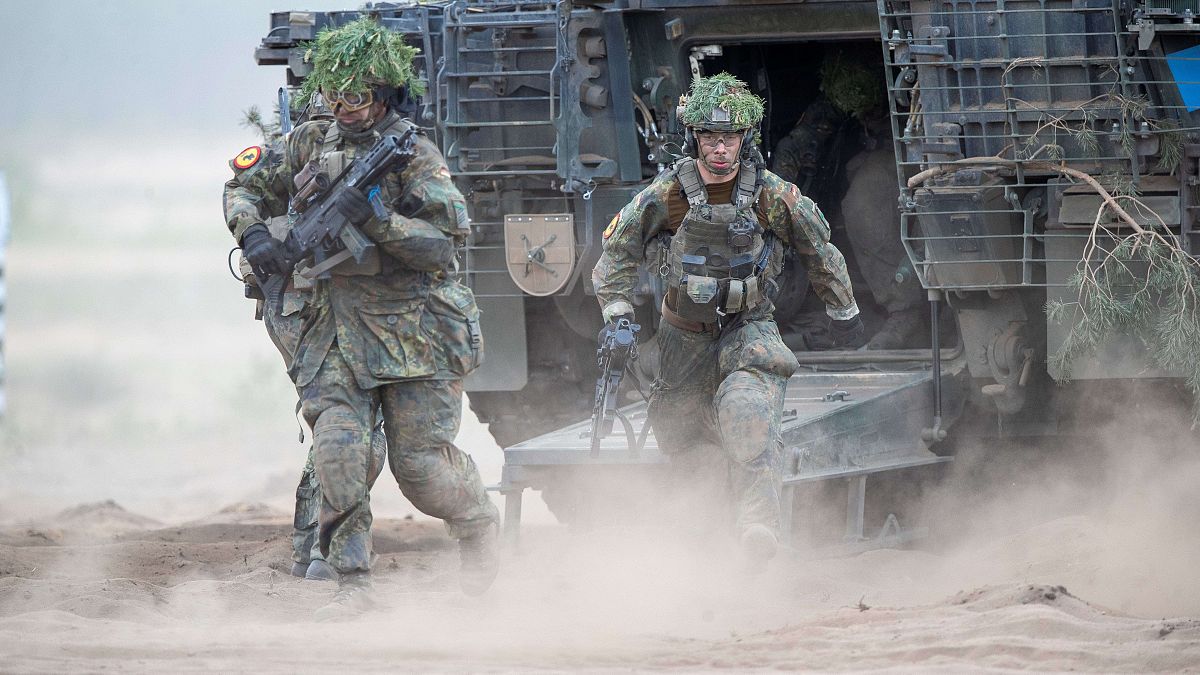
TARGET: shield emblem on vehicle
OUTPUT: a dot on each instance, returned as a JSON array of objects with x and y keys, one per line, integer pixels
[{"x": 540, "y": 251}]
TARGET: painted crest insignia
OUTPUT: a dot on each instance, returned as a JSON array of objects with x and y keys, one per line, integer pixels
[{"x": 540, "y": 251}]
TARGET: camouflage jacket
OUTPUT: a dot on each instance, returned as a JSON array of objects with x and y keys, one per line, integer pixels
[
  {"x": 402, "y": 318},
  {"x": 793, "y": 218}
]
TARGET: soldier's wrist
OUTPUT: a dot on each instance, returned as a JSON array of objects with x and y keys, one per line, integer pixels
[
  {"x": 617, "y": 308},
  {"x": 251, "y": 230},
  {"x": 843, "y": 313}
]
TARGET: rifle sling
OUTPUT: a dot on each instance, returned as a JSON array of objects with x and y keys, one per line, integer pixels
[{"x": 325, "y": 265}]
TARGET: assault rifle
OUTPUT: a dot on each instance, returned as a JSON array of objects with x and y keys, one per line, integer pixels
[
  {"x": 618, "y": 347},
  {"x": 320, "y": 231}
]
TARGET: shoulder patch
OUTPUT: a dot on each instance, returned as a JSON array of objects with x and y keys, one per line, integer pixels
[
  {"x": 612, "y": 226},
  {"x": 248, "y": 157}
]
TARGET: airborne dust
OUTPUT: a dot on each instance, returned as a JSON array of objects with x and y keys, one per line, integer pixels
[{"x": 135, "y": 374}]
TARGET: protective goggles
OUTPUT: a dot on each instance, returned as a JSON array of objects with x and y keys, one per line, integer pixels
[
  {"x": 711, "y": 139},
  {"x": 350, "y": 102}
]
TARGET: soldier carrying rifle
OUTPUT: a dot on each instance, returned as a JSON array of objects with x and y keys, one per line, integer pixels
[
  {"x": 717, "y": 403},
  {"x": 387, "y": 325}
]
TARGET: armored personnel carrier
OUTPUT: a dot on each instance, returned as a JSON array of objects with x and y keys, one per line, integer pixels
[{"x": 552, "y": 115}]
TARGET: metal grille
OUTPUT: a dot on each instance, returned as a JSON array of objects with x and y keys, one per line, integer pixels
[{"x": 996, "y": 93}]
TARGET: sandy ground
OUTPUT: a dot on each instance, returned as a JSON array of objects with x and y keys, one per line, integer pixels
[
  {"x": 99, "y": 588},
  {"x": 149, "y": 455}
]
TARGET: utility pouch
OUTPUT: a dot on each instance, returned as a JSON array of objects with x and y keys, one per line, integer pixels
[
  {"x": 741, "y": 266},
  {"x": 735, "y": 296},
  {"x": 701, "y": 290},
  {"x": 694, "y": 265}
]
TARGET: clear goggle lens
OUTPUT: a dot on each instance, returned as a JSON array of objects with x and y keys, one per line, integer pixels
[{"x": 712, "y": 139}]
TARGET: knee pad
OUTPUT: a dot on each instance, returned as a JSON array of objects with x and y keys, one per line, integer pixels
[{"x": 749, "y": 407}]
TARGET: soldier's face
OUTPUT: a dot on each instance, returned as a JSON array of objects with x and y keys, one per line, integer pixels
[
  {"x": 361, "y": 119},
  {"x": 719, "y": 151}
]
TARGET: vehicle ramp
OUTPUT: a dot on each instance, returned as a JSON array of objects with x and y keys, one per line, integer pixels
[{"x": 836, "y": 425}]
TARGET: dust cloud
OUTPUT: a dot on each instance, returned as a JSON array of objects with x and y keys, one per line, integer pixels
[{"x": 150, "y": 454}]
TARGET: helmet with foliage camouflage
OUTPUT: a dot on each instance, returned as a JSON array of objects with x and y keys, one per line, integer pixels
[
  {"x": 358, "y": 57},
  {"x": 851, "y": 85},
  {"x": 720, "y": 103}
]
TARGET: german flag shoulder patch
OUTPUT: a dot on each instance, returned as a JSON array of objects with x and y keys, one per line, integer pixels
[{"x": 612, "y": 227}]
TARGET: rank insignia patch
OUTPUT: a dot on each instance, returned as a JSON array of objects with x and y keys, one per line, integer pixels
[{"x": 248, "y": 157}]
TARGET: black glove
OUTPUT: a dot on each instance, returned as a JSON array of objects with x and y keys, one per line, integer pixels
[
  {"x": 264, "y": 252},
  {"x": 355, "y": 206},
  {"x": 848, "y": 333}
]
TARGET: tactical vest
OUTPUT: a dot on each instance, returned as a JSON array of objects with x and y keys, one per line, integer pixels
[
  {"x": 715, "y": 260},
  {"x": 332, "y": 161}
]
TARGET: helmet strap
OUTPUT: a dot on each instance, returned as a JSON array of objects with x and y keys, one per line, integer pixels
[{"x": 745, "y": 153}]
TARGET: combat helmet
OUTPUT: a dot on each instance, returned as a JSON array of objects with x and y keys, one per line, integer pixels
[
  {"x": 719, "y": 102},
  {"x": 359, "y": 59},
  {"x": 852, "y": 86}
]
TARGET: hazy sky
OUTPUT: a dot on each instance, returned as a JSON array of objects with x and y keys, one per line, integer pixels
[{"x": 126, "y": 65}]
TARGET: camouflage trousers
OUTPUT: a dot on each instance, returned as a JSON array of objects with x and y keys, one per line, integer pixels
[
  {"x": 717, "y": 407},
  {"x": 421, "y": 419},
  {"x": 308, "y": 499},
  {"x": 284, "y": 331},
  {"x": 875, "y": 233}
]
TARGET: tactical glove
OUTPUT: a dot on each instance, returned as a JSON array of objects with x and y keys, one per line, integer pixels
[
  {"x": 848, "y": 333},
  {"x": 264, "y": 252},
  {"x": 355, "y": 206}
]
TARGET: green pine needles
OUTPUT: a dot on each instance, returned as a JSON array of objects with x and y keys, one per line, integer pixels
[
  {"x": 357, "y": 56},
  {"x": 1141, "y": 283},
  {"x": 722, "y": 91},
  {"x": 254, "y": 120}
]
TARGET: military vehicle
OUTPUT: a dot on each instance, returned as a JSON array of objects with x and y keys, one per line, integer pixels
[{"x": 552, "y": 115}]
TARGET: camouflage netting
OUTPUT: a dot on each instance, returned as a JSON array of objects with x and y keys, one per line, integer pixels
[
  {"x": 851, "y": 86},
  {"x": 357, "y": 56},
  {"x": 720, "y": 91}
]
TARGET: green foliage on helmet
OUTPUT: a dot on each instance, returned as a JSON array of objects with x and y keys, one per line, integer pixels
[
  {"x": 358, "y": 56},
  {"x": 720, "y": 103},
  {"x": 852, "y": 86}
]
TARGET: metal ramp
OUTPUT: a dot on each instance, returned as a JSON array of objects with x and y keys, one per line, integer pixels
[{"x": 835, "y": 426}]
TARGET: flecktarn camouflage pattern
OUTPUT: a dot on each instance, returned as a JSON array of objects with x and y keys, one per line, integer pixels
[
  {"x": 717, "y": 401},
  {"x": 398, "y": 335}
]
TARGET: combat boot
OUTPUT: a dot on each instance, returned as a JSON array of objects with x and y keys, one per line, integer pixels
[
  {"x": 479, "y": 556},
  {"x": 319, "y": 570},
  {"x": 758, "y": 545},
  {"x": 353, "y": 597},
  {"x": 902, "y": 330}
]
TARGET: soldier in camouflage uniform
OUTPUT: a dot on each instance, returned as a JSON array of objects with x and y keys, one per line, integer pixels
[
  {"x": 394, "y": 330},
  {"x": 717, "y": 403},
  {"x": 281, "y": 318},
  {"x": 811, "y": 154}
]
